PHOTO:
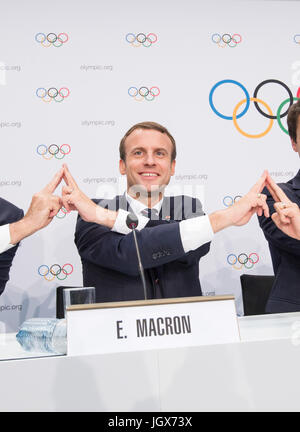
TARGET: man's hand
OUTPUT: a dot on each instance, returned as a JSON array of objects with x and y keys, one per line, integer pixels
[
  {"x": 44, "y": 206},
  {"x": 253, "y": 202},
  {"x": 241, "y": 212},
  {"x": 74, "y": 199},
  {"x": 287, "y": 215}
]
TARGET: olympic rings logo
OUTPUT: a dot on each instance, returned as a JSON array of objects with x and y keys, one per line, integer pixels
[
  {"x": 51, "y": 39},
  {"x": 226, "y": 40},
  {"x": 52, "y": 94},
  {"x": 269, "y": 115},
  {"x": 228, "y": 201},
  {"x": 55, "y": 271},
  {"x": 243, "y": 260},
  {"x": 144, "y": 93},
  {"x": 141, "y": 39},
  {"x": 62, "y": 213},
  {"x": 53, "y": 151},
  {"x": 296, "y": 39}
]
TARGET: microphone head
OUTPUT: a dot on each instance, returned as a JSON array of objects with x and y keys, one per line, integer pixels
[{"x": 132, "y": 221}]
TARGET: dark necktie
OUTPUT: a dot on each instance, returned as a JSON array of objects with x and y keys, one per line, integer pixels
[{"x": 152, "y": 214}]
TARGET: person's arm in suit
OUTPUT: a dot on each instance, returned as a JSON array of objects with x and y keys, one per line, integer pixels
[
  {"x": 14, "y": 226},
  {"x": 97, "y": 243},
  {"x": 159, "y": 241},
  {"x": 43, "y": 207},
  {"x": 183, "y": 207},
  {"x": 9, "y": 213}
]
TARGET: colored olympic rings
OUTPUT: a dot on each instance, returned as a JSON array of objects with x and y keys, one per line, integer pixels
[
  {"x": 55, "y": 271},
  {"x": 51, "y": 39},
  {"x": 52, "y": 94},
  {"x": 62, "y": 213},
  {"x": 141, "y": 39},
  {"x": 256, "y": 101},
  {"x": 226, "y": 40},
  {"x": 227, "y": 81},
  {"x": 279, "y": 110},
  {"x": 228, "y": 201},
  {"x": 297, "y": 38},
  {"x": 252, "y": 135},
  {"x": 243, "y": 260},
  {"x": 53, "y": 150},
  {"x": 276, "y": 82},
  {"x": 143, "y": 93}
]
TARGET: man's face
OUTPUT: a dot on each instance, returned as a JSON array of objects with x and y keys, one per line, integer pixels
[
  {"x": 148, "y": 160},
  {"x": 296, "y": 144}
]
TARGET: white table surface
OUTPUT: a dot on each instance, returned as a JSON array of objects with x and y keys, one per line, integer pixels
[
  {"x": 252, "y": 328},
  {"x": 260, "y": 373}
]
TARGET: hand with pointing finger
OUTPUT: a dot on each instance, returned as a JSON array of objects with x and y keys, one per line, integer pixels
[
  {"x": 241, "y": 212},
  {"x": 253, "y": 202},
  {"x": 287, "y": 215},
  {"x": 74, "y": 199},
  {"x": 44, "y": 206}
]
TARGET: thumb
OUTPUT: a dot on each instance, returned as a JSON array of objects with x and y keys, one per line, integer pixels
[{"x": 276, "y": 219}]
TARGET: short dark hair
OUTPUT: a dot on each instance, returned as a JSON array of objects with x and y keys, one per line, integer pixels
[
  {"x": 150, "y": 126},
  {"x": 292, "y": 120}
]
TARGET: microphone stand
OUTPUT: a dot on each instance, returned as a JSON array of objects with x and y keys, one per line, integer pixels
[{"x": 132, "y": 223}]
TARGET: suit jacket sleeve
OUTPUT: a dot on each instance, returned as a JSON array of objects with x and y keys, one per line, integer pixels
[
  {"x": 159, "y": 243},
  {"x": 273, "y": 234},
  {"x": 8, "y": 214}
]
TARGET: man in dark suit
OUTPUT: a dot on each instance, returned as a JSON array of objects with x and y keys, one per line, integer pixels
[
  {"x": 14, "y": 227},
  {"x": 171, "y": 242},
  {"x": 285, "y": 251}
]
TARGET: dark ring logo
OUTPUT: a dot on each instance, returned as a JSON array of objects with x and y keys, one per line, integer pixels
[
  {"x": 61, "y": 273},
  {"x": 226, "y": 40},
  {"x": 53, "y": 151},
  {"x": 296, "y": 38},
  {"x": 51, "y": 39},
  {"x": 62, "y": 213},
  {"x": 228, "y": 201},
  {"x": 52, "y": 94},
  {"x": 256, "y": 101},
  {"x": 243, "y": 260},
  {"x": 141, "y": 39},
  {"x": 144, "y": 93}
]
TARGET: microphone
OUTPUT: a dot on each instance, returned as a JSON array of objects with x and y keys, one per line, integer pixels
[{"x": 132, "y": 223}]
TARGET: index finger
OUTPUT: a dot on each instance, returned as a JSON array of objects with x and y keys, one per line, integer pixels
[
  {"x": 276, "y": 191},
  {"x": 68, "y": 178},
  {"x": 52, "y": 185},
  {"x": 260, "y": 184}
]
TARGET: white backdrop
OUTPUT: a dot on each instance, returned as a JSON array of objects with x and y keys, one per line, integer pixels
[{"x": 193, "y": 45}]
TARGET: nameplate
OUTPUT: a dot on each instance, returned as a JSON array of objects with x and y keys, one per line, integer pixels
[{"x": 152, "y": 324}]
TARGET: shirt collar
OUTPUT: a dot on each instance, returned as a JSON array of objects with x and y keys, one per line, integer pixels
[{"x": 137, "y": 207}]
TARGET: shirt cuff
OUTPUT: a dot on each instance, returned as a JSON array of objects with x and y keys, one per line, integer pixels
[
  {"x": 120, "y": 223},
  {"x": 195, "y": 232},
  {"x": 5, "y": 238}
]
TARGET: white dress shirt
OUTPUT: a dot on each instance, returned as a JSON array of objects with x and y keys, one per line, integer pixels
[
  {"x": 194, "y": 232},
  {"x": 5, "y": 238}
]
